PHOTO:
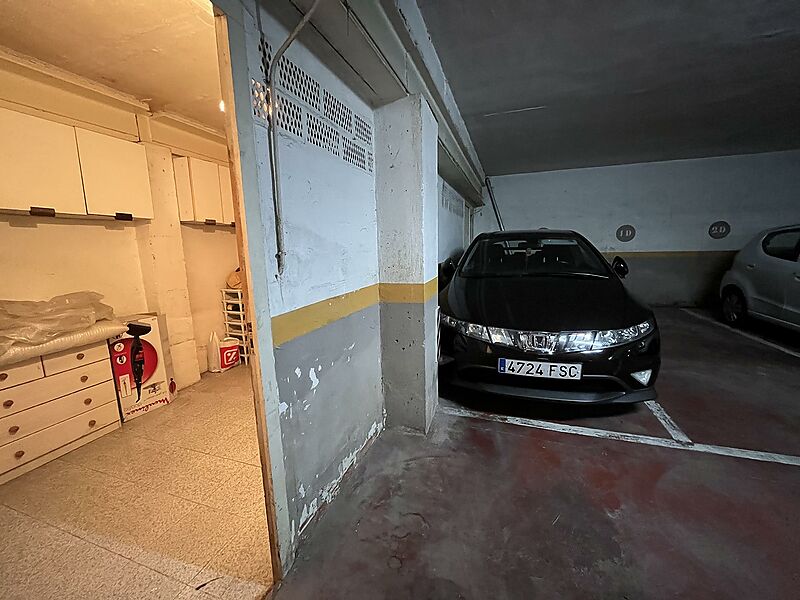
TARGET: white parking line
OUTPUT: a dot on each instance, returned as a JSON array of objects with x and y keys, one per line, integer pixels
[
  {"x": 670, "y": 425},
  {"x": 784, "y": 459},
  {"x": 749, "y": 336}
]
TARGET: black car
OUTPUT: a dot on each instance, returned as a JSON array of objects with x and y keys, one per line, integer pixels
[{"x": 541, "y": 314}]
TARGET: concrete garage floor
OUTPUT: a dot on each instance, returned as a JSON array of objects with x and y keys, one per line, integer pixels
[
  {"x": 482, "y": 508},
  {"x": 170, "y": 502}
]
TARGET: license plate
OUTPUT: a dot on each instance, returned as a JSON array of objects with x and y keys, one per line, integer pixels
[{"x": 531, "y": 368}]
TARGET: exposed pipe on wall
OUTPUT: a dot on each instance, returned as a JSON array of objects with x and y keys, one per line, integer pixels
[
  {"x": 494, "y": 205},
  {"x": 280, "y": 253}
]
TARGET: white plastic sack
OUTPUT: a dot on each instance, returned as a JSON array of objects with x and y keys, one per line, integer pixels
[
  {"x": 102, "y": 330},
  {"x": 32, "y": 323}
]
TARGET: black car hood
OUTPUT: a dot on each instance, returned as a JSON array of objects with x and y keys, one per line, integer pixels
[{"x": 543, "y": 303}]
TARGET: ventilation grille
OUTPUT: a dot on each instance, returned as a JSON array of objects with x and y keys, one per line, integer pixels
[
  {"x": 297, "y": 82},
  {"x": 310, "y": 112},
  {"x": 323, "y": 135},
  {"x": 362, "y": 130},
  {"x": 290, "y": 116},
  {"x": 337, "y": 112},
  {"x": 265, "y": 50},
  {"x": 354, "y": 154},
  {"x": 451, "y": 201},
  {"x": 258, "y": 98}
]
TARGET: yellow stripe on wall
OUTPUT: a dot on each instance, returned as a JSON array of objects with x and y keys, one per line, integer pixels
[
  {"x": 302, "y": 321},
  {"x": 396, "y": 293}
]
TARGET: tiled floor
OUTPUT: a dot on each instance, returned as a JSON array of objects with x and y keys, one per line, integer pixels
[{"x": 170, "y": 503}]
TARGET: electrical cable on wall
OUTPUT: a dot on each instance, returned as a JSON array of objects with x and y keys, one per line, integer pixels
[
  {"x": 280, "y": 254},
  {"x": 494, "y": 205}
]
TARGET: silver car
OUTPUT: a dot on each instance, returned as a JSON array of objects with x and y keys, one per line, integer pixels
[{"x": 764, "y": 281}]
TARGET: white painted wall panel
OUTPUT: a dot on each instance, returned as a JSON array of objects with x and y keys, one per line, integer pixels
[
  {"x": 330, "y": 223},
  {"x": 42, "y": 258},
  {"x": 671, "y": 204},
  {"x": 210, "y": 257},
  {"x": 430, "y": 190},
  {"x": 452, "y": 215}
]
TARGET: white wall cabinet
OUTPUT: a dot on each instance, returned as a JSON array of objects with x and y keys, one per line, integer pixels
[
  {"x": 226, "y": 191},
  {"x": 204, "y": 191},
  {"x": 39, "y": 165},
  {"x": 183, "y": 187},
  {"x": 115, "y": 175}
]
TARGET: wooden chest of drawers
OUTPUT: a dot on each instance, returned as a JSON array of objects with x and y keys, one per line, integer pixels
[{"x": 54, "y": 404}]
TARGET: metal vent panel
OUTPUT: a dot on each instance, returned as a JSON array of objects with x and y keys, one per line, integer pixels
[
  {"x": 338, "y": 112},
  {"x": 297, "y": 82},
  {"x": 451, "y": 201},
  {"x": 322, "y": 134},
  {"x": 258, "y": 99},
  {"x": 306, "y": 109},
  {"x": 354, "y": 154},
  {"x": 289, "y": 116},
  {"x": 362, "y": 130}
]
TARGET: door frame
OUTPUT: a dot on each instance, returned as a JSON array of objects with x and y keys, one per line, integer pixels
[{"x": 243, "y": 248}]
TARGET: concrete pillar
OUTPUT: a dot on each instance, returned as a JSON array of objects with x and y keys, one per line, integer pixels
[
  {"x": 164, "y": 269},
  {"x": 407, "y": 207}
]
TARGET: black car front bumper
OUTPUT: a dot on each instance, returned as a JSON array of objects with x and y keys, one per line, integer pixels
[{"x": 605, "y": 379}]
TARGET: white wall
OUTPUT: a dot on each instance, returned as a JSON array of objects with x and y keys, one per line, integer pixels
[
  {"x": 329, "y": 212},
  {"x": 43, "y": 257},
  {"x": 452, "y": 214},
  {"x": 671, "y": 204},
  {"x": 211, "y": 255}
]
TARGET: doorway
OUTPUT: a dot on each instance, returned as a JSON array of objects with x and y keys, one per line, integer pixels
[{"x": 168, "y": 501}]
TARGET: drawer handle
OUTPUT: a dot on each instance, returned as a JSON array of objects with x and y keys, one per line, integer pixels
[
  {"x": 92, "y": 423},
  {"x": 80, "y": 356},
  {"x": 8, "y": 404},
  {"x": 13, "y": 429},
  {"x": 3, "y": 376},
  {"x": 84, "y": 378},
  {"x": 19, "y": 453},
  {"x": 88, "y": 401}
]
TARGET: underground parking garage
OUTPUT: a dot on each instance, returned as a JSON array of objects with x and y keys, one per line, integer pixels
[{"x": 399, "y": 299}]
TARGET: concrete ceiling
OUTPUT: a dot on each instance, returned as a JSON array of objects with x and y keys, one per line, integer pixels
[
  {"x": 546, "y": 84},
  {"x": 161, "y": 51}
]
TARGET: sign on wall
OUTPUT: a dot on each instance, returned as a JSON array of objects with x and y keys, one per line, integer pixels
[
  {"x": 719, "y": 229},
  {"x": 625, "y": 233}
]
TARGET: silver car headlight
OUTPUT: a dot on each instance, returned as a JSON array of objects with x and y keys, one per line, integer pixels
[
  {"x": 617, "y": 337},
  {"x": 573, "y": 341},
  {"x": 576, "y": 341},
  {"x": 469, "y": 329},
  {"x": 502, "y": 337}
]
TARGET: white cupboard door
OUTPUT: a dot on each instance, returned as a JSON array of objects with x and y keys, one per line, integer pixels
[
  {"x": 205, "y": 190},
  {"x": 227, "y": 195},
  {"x": 39, "y": 165},
  {"x": 183, "y": 186},
  {"x": 115, "y": 176}
]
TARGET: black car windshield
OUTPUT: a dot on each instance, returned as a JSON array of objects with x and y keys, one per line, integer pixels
[{"x": 533, "y": 254}]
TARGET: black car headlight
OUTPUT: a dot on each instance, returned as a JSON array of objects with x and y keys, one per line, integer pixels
[{"x": 570, "y": 341}]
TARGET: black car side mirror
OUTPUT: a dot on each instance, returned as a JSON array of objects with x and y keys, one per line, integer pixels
[{"x": 620, "y": 267}]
